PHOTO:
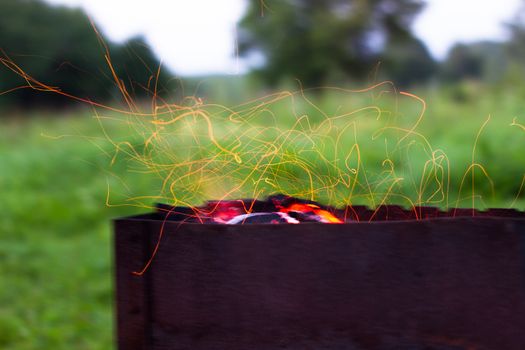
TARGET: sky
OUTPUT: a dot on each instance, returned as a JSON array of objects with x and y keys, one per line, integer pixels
[{"x": 198, "y": 37}]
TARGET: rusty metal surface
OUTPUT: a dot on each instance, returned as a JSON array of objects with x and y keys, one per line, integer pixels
[{"x": 448, "y": 283}]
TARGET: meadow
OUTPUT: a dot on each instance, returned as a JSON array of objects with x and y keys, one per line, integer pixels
[{"x": 56, "y": 169}]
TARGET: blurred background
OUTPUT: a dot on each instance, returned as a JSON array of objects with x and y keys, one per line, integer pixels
[{"x": 67, "y": 62}]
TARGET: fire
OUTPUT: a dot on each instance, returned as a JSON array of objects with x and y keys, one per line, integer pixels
[
  {"x": 223, "y": 212},
  {"x": 278, "y": 209},
  {"x": 312, "y": 209}
]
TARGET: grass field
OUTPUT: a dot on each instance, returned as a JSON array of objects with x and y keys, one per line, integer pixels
[{"x": 55, "y": 251}]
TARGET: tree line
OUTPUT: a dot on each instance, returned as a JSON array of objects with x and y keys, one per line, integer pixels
[
  {"x": 59, "y": 46},
  {"x": 323, "y": 41},
  {"x": 317, "y": 42}
]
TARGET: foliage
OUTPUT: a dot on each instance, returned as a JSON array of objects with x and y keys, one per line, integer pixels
[
  {"x": 515, "y": 50},
  {"x": 407, "y": 62},
  {"x": 490, "y": 62},
  {"x": 484, "y": 61},
  {"x": 59, "y": 47},
  {"x": 516, "y": 28},
  {"x": 321, "y": 41}
]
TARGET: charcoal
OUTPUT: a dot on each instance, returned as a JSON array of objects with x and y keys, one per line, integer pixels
[
  {"x": 263, "y": 218},
  {"x": 305, "y": 216}
]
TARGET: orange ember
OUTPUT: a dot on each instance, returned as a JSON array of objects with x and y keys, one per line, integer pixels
[
  {"x": 325, "y": 215},
  {"x": 277, "y": 209}
]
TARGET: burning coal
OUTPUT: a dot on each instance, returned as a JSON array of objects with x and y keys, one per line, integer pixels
[
  {"x": 281, "y": 209},
  {"x": 278, "y": 209}
]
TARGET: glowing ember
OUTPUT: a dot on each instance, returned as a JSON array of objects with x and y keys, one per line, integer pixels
[
  {"x": 224, "y": 212},
  {"x": 277, "y": 209},
  {"x": 310, "y": 212}
]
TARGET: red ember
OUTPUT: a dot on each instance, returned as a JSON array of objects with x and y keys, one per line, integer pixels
[
  {"x": 276, "y": 209},
  {"x": 279, "y": 209},
  {"x": 312, "y": 212}
]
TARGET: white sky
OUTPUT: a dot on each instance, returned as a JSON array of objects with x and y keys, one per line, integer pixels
[{"x": 195, "y": 37}]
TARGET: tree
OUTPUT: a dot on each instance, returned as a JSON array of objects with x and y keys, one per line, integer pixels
[
  {"x": 313, "y": 40},
  {"x": 515, "y": 47},
  {"x": 516, "y": 29},
  {"x": 58, "y": 46},
  {"x": 406, "y": 59},
  {"x": 482, "y": 60}
]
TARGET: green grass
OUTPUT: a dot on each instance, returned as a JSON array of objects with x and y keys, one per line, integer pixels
[
  {"x": 55, "y": 250},
  {"x": 55, "y": 238}
]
